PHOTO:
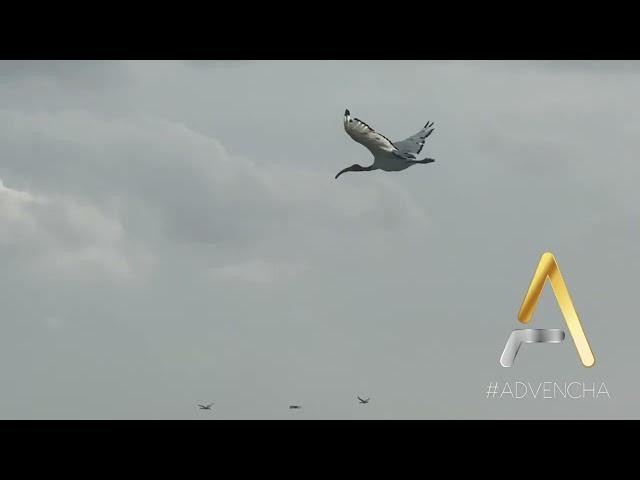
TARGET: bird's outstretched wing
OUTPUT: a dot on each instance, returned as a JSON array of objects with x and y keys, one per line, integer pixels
[
  {"x": 412, "y": 146},
  {"x": 367, "y": 136}
]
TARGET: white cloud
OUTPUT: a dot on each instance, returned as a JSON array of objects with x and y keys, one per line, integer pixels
[
  {"x": 60, "y": 234},
  {"x": 255, "y": 271},
  {"x": 169, "y": 186}
]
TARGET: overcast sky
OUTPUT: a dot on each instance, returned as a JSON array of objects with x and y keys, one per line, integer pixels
[{"x": 172, "y": 234}]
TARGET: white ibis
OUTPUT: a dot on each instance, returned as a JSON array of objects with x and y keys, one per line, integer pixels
[{"x": 387, "y": 155}]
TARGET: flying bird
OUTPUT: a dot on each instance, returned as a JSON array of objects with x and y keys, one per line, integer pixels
[
  {"x": 362, "y": 400},
  {"x": 387, "y": 155},
  {"x": 206, "y": 407},
  {"x": 294, "y": 407}
]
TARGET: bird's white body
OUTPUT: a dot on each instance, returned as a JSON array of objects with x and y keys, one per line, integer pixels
[
  {"x": 387, "y": 155},
  {"x": 389, "y": 163}
]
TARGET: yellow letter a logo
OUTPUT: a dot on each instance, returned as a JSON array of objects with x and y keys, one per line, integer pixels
[{"x": 548, "y": 268}]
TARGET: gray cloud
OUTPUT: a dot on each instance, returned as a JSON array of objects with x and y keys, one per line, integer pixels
[
  {"x": 185, "y": 188},
  {"x": 71, "y": 73},
  {"x": 39, "y": 233},
  {"x": 592, "y": 66}
]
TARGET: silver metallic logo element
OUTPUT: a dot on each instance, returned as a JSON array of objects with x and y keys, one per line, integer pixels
[{"x": 528, "y": 335}]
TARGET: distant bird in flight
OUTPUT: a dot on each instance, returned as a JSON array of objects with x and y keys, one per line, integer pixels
[
  {"x": 387, "y": 155},
  {"x": 294, "y": 407},
  {"x": 363, "y": 400},
  {"x": 206, "y": 407}
]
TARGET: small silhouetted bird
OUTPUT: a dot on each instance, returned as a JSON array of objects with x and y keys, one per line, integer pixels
[
  {"x": 362, "y": 400},
  {"x": 294, "y": 407},
  {"x": 206, "y": 407}
]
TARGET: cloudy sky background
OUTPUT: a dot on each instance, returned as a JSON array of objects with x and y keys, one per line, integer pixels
[{"x": 172, "y": 234}]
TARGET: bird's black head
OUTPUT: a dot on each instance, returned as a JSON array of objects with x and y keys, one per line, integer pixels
[
  {"x": 347, "y": 113},
  {"x": 353, "y": 168}
]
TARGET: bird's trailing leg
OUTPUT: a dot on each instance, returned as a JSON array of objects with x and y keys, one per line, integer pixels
[{"x": 426, "y": 160}]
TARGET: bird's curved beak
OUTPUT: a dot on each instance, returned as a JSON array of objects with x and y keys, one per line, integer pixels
[{"x": 342, "y": 171}]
